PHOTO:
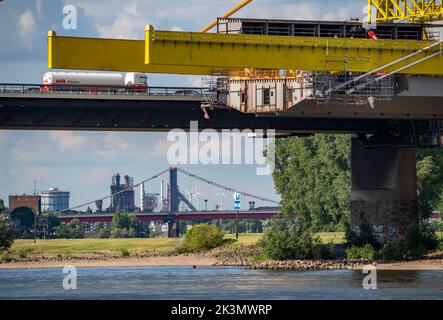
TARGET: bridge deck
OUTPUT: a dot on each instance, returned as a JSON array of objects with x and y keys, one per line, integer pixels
[{"x": 187, "y": 216}]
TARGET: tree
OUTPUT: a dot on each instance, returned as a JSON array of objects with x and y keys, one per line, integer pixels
[
  {"x": 75, "y": 229},
  {"x": 124, "y": 225},
  {"x": 23, "y": 219},
  {"x": 202, "y": 237},
  {"x": 429, "y": 180},
  {"x": 2, "y": 206},
  {"x": 313, "y": 177},
  {"x": 52, "y": 221},
  {"x": 6, "y": 235},
  {"x": 121, "y": 221}
]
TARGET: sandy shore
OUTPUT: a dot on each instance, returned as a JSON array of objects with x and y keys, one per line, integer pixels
[
  {"x": 198, "y": 261},
  {"x": 180, "y": 260},
  {"x": 421, "y": 265}
]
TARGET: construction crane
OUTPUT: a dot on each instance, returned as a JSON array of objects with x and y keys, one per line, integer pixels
[
  {"x": 415, "y": 11},
  {"x": 241, "y": 5}
]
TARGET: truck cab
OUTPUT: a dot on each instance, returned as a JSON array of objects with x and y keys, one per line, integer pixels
[{"x": 136, "y": 81}]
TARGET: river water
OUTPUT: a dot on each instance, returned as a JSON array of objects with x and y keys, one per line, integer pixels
[{"x": 219, "y": 283}]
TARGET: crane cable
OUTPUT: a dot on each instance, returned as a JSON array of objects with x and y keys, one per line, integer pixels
[
  {"x": 225, "y": 187},
  {"x": 115, "y": 194}
]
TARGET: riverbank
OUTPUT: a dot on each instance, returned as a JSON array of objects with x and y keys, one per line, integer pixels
[{"x": 245, "y": 256}]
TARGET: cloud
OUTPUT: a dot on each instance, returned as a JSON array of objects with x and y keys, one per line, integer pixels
[
  {"x": 39, "y": 8},
  {"x": 113, "y": 146},
  {"x": 68, "y": 141},
  {"x": 175, "y": 28},
  {"x": 26, "y": 25}
]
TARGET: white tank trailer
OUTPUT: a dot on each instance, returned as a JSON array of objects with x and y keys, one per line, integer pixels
[{"x": 85, "y": 79}]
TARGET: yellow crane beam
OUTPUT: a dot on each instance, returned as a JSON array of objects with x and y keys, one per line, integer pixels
[
  {"x": 241, "y": 5},
  {"x": 410, "y": 10},
  {"x": 209, "y": 54},
  {"x": 109, "y": 55},
  {"x": 289, "y": 53}
]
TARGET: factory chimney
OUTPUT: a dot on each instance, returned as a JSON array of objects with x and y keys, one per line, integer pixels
[
  {"x": 162, "y": 195},
  {"x": 142, "y": 197}
]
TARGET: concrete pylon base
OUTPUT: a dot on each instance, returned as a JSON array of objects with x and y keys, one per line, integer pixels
[{"x": 384, "y": 190}]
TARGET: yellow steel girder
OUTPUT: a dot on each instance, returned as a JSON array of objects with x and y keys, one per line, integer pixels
[
  {"x": 209, "y": 54},
  {"x": 109, "y": 55},
  {"x": 289, "y": 53},
  {"x": 411, "y": 10}
]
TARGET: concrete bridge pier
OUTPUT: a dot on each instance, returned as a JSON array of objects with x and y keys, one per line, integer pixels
[{"x": 384, "y": 189}]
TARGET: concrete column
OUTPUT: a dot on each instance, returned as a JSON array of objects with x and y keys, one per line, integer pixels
[{"x": 384, "y": 189}]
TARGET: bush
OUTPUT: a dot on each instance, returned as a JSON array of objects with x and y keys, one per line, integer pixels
[
  {"x": 122, "y": 233},
  {"x": 203, "y": 237},
  {"x": 393, "y": 251},
  {"x": 6, "y": 235},
  {"x": 420, "y": 239},
  {"x": 125, "y": 253},
  {"x": 323, "y": 251},
  {"x": 285, "y": 239},
  {"x": 365, "y": 252},
  {"x": 6, "y": 257},
  {"x": 75, "y": 229},
  {"x": 103, "y": 234},
  {"x": 23, "y": 253},
  {"x": 365, "y": 236}
]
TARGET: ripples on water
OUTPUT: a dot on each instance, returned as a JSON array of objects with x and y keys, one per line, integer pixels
[{"x": 217, "y": 283}]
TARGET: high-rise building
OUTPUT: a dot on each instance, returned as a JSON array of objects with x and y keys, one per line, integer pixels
[{"x": 54, "y": 200}]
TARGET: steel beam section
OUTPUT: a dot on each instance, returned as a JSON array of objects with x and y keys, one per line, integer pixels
[
  {"x": 108, "y": 55},
  {"x": 278, "y": 52}
]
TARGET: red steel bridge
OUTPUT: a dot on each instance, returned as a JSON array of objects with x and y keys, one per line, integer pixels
[
  {"x": 262, "y": 213},
  {"x": 170, "y": 212}
]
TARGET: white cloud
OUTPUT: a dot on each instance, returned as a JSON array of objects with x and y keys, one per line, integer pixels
[
  {"x": 128, "y": 24},
  {"x": 113, "y": 146},
  {"x": 39, "y": 7},
  {"x": 68, "y": 141},
  {"x": 175, "y": 28},
  {"x": 26, "y": 25}
]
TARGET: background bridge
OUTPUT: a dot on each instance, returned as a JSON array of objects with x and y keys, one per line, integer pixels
[{"x": 172, "y": 199}]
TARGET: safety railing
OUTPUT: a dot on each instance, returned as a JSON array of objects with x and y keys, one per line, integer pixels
[{"x": 100, "y": 90}]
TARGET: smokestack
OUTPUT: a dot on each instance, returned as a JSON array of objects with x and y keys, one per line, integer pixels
[
  {"x": 142, "y": 197},
  {"x": 162, "y": 190}
]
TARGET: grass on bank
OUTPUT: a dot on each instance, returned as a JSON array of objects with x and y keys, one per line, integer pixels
[{"x": 83, "y": 246}]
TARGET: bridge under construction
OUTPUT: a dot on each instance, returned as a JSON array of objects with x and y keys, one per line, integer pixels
[{"x": 380, "y": 79}]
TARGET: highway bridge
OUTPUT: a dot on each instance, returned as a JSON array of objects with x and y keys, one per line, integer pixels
[
  {"x": 185, "y": 216},
  {"x": 24, "y": 107},
  {"x": 388, "y": 128}
]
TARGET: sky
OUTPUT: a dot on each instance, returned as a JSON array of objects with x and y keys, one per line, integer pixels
[{"x": 83, "y": 162}]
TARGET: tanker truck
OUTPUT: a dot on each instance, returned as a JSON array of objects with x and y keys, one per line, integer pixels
[{"x": 95, "y": 82}]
